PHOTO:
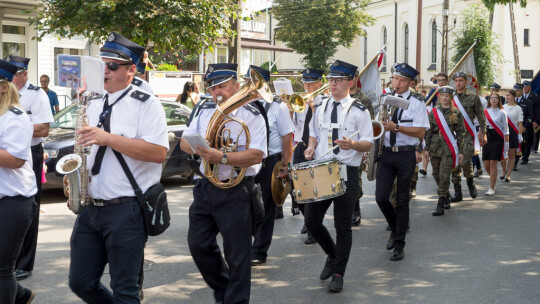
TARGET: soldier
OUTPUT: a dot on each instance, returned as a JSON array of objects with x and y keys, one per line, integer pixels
[
  {"x": 444, "y": 143},
  {"x": 356, "y": 93},
  {"x": 535, "y": 100},
  {"x": 471, "y": 107},
  {"x": 529, "y": 119}
]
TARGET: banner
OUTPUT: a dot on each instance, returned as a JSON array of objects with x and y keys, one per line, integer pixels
[
  {"x": 370, "y": 81},
  {"x": 468, "y": 66},
  {"x": 535, "y": 86}
]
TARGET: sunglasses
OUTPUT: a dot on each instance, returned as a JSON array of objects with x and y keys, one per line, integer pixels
[{"x": 113, "y": 66}]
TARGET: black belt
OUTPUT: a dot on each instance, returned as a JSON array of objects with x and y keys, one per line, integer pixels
[
  {"x": 114, "y": 201},
  {"x": 399, "y": 148}
]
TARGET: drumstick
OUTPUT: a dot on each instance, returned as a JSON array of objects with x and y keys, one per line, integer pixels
[{"x": 334, "y": 147}]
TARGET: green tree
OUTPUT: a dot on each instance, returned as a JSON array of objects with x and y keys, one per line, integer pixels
[
  {"x": 490, "y": 4},
  {"x": 315, "y": 28},
  {"x": 188, "y": 24},
  {"x": 475, "y": 27}
]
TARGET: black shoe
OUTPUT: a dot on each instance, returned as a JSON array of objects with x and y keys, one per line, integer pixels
[
  {"x": 472, "y": 187},
  {"x": 476, "y": 174},
  {"x": 501, "y": 177},
  {"x": 390, "y": 242},
  {"x": 304, "y": 230},
  {"x": 516, "y": 169},
  {"x": 507, "y": 180},
  {"x": 309, "y": 239},
  {"x": 458, "y": 196},
  {"x": 524, "y": 161},
  {"x": 328, "y": 269},
  {"x": 257, "y": 262},
  {"x": 336, "y": 284},
  {"x": 412, "y": 191},
  {"x": 22, "y": 274},
  {"x": 397, "y": 255},
  {"x": 388, "y": 228},
  {"x": 279, "y": 213},
  {"x": 445, "y": 203},
  {"x": 423, "y": 172},
  {"x": 440, "y": 205},
  {"x": 357, "y": 217}
]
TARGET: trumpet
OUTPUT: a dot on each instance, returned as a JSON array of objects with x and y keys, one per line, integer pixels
[{"x": 298, "y": 101}]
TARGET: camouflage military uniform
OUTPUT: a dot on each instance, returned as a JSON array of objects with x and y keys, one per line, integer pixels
[
  {"x": 473, "y": 106},
  {"x": 441, "y": 157}
]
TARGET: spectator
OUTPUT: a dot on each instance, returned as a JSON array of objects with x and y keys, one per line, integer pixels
[
  {"x": 53, "y": 98},
  {"x": 147, "y": 61},
  {"x": 188, "y": 96}
]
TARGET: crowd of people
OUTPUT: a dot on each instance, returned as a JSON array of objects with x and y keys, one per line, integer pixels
[{"x": 253, "y": 139}]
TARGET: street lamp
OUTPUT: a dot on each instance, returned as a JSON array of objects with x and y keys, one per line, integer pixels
[{"x": 444, "y": 33}]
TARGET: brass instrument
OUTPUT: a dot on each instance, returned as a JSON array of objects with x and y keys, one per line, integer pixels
[
  {"x": 218, "y": 136},
  {"x": 298, "y": 101},
  {"x": 73, "y": 166}
]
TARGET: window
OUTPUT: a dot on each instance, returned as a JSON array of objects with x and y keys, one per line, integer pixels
[
  {"x": 221, "y": 55},
  {"x": 385, "y": 41},
  {"x": 406, "y": 44},
  {"x": 434, "y": 42},
  {"x": 526, "y": 37},
  {"x": 13, "y": 48},
  {"x": 13, "y": 38},
  {"x": 365, "y": 50},
  {"x": 13, "y": 29}
]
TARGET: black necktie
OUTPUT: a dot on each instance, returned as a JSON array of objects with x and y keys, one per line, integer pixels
[
  {"x": 333, "y": 119},
  {"x": 104, "y": 119},
  {"x": 305, "y": 135},
  {"x": 395, "y": 120}
]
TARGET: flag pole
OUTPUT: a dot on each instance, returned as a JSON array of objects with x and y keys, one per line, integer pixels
[
  {"x": 460, "y": 62},
  {"x": 371, "y": 61}
]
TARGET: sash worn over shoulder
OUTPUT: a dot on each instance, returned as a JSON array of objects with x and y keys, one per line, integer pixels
[
  {"x": 514, "y": 127},
  {"x": 449, "y": 138},
  {"x": 496, "y": 127},
  {"x": 468, "y": 123}
]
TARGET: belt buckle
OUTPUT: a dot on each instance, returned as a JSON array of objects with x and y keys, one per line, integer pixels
[
  {"x": 395, "y": 149},
  {"x": 98, "y": 202}
]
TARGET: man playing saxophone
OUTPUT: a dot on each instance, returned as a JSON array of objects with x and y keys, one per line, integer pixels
[
  {"x": 225, "y": 210},
  {"x": 111, "y": 228}
]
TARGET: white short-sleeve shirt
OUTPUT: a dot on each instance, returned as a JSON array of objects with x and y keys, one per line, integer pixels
[
  {"x": 132, "y": 118},
  {"x": 255, "y": 125},
  {"x": 280, "y": 124},
  {"x": 516, "y": 112},
  {"x": 36, "y": 104},
  {"x": 355, "y": 119},
  {"x": 15, "y": 136},
  {"x": 299, "y": 120},
  {"x": 499, "y": 118},
  {"x": 142, "y": 84},
  {"x": 415, "y": 116}
]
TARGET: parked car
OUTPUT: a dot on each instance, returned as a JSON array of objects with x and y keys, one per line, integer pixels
[{"x": 61, "y": 139}]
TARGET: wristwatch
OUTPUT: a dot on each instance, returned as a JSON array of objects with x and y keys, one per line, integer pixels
[
  {"x": 396, "y": 129},
  {"x": 224, "y": 159}
]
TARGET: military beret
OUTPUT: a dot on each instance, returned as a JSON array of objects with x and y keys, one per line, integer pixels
[
  {"x": 446, "y": 89},
  {"x": 459, "y": 74}
]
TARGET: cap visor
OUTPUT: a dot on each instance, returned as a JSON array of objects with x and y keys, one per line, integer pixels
[
  {"x": 112, "y": 55},
  {"x": 215, "y": 82}
]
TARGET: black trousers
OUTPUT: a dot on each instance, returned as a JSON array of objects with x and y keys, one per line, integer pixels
[
  {"x": 226, "y": 211},
  {"x": 343, "y": 209},
  {"x": 536, "y": 141},
  {"x": 392, "y": 164},
  {"x": 28, "y": 252},
  {"x": 16, "y": 214},
  {"x": 298, "y": 157},
  {"x": 528, "y": 139},
  {"x": 265, "y": 229}
]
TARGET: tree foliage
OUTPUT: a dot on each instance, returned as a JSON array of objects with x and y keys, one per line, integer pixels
[
  {"x": 475, "y": 27},
  {"x": 188, "y": 24},
  {"x": 490, "y": 4},
  {"x": 315, "y": 28}
]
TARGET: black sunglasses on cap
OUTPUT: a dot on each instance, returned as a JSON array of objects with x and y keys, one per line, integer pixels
[{"x": 113, "y": 66}]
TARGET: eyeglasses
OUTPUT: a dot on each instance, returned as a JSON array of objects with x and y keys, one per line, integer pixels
[
  {"x": 494, "y": 98},
  {"x": 113, "y": 66},
  {"x": 336, "y": 80}
]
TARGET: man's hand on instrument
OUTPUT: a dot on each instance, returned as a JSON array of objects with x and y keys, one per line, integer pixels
[
  {"x": 212, "y": 155},
  {"x": 389, "y": 125},
  {"x": 344, "y": 144},
  {"x": 460, "y": 158},
  {"x": 309, "y": 153},
  {"x": 283, "y": 172},
  {"x": 93, "y": 136}
]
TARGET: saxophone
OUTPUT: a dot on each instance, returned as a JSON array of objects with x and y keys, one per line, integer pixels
[{"x": 73, "y": 166}]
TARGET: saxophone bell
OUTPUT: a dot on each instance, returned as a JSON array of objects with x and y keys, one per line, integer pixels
[{"x": 69, "y": 165}]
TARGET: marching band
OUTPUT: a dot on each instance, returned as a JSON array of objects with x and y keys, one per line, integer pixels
[{"x": 247, "y": 140}]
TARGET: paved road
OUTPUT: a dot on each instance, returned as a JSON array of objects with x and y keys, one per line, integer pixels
[{"x": 481, "y": 251}]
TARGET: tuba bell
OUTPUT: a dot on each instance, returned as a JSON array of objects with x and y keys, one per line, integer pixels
[{"x": 218, "y": 136}]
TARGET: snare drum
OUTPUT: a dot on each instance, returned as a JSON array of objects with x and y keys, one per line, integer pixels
[{"x": 317, "y": 181}]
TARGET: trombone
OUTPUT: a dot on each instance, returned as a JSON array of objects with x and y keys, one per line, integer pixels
[{"x": 298, "y": 101}]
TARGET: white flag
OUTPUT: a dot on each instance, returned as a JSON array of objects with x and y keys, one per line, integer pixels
[
  {"x": 468, "y": 66},
  {"x": 370, "y": 82}
]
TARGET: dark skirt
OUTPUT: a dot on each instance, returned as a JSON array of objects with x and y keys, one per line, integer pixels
[
  {"x": 493, "y": 150},
  {"x": 513, "y": 138}
]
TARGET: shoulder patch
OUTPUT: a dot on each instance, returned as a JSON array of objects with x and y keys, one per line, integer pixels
[
  {"x": 207, "y": 104},
  {"x": 358, "y": 104},
  {"x": 277, "y": 100},
  {"x": 140, "y": 95},
  {"x": 33, "y": 87},
  {"x": 252, "y": 109},
  {"x": 137, "y": 82},
  {"x": 419, "y": 96},
  {"x": 15, "y": 110}
]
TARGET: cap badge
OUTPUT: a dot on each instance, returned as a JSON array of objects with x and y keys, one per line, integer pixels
[
  {"x": 111, "y": 37},
  {"x": 8, "y": 58},
  {"x": 307, "y": 71},
  {"x": 336, "y": 63},
  {"x": 210, "y": 69},
  {"x": 403, "y": 66}
]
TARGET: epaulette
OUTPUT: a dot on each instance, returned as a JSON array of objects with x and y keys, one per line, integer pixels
[
  {"x": 277, "y": 100},
  {"x": 419, "y": 96},
  {"x": 208, "y": 104},
  {"x": 323, "y": 97},
  {"x": 137, "y": 82},
  {"x": 142, "y": 96},
  {"x": 358, "y": 104},
  {"x": 252, "y": 109},
  {"x": 99, "y": 96},
  {"x": 33, "y": 87},
  {"x": 15, "y": 110}
]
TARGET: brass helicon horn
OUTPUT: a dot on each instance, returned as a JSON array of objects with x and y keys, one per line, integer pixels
[
  {"x": 298, "y": 101},
  {"x": 219, "y": 137}
]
